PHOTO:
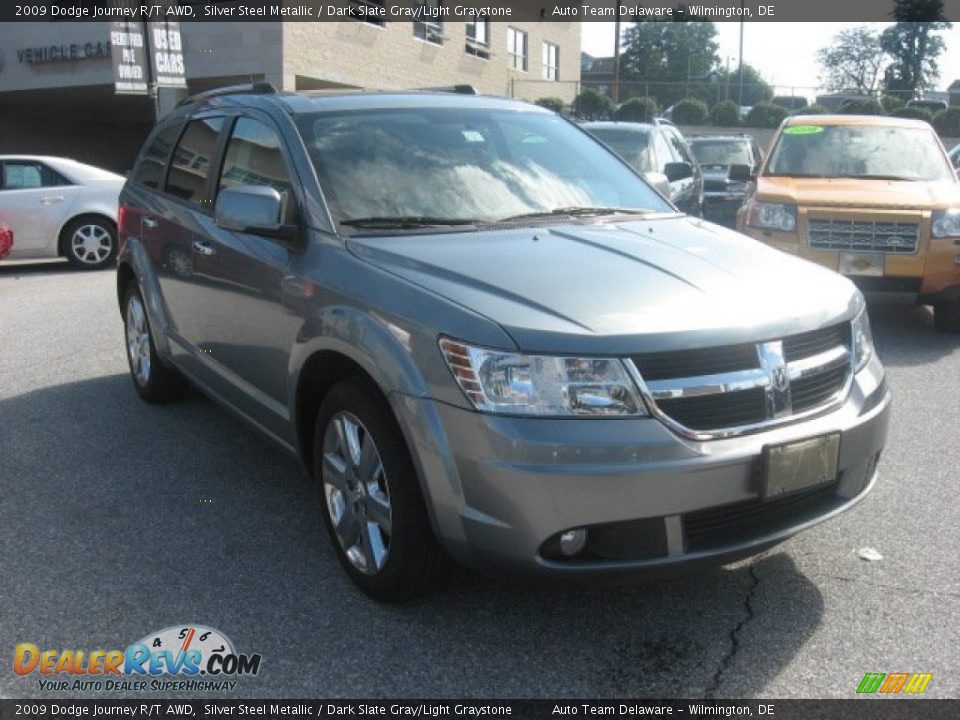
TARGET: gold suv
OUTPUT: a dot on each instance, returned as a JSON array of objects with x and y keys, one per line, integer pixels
[{"x": 874, "y": 198}]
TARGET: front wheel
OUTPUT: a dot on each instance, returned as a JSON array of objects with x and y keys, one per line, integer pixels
[
  {"x": 153, "y": 381},
  {"x": 90, "y": 243},
  {"x": 946, "y": 317},
  {"x": 372, "y": 505}
]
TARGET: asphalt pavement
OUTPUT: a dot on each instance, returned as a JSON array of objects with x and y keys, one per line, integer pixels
[{"x": 118, "y": 519}]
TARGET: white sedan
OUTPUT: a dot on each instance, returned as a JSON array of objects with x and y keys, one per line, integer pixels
[{"x": 60, "y": 208}]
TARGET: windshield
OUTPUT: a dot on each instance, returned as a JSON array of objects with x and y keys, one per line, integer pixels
[
  {"x": 464, "y": 164},
  {"x": 632, "y": 145},
  {"x": 849, "y": 151},
  {"x": 722, "y": 152}
]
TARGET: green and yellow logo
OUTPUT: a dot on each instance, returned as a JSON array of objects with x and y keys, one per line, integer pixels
[{"x": 894, "y": 683}]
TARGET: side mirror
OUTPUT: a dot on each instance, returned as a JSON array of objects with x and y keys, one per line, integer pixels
[
  {"x": 254, "y": 209},
  {"x": 741, "y": 173},
  {"x": 678, "y": 171},
  {"x": 659, "y": 181}
]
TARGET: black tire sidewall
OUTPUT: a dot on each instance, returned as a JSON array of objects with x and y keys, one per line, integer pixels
[
  {"x": 72, "y": 227},
  {"x": 164, "y": 384}
]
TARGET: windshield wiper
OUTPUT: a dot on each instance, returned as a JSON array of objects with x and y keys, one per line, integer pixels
[
  {"x": 401, "y": 222},
  {"x": 578, "y": 212}
]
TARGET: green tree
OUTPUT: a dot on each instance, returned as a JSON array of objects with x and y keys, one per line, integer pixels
[
  {"x": 947, "y": 122},
  {"x": 638, "y": 109},
  {"x": 551, "y": 103},
  {"x": 675, "y": 57},
  {"x": 854, "y": 60},
  {"x": 891, "y": 103},
  {"x": 755, "y": 88},
  {"x": 766, "y": 115},
  {"x": 690, "y": 111},
  {"x": 914, "y": 113},
  {"x": 866, "y": 106},
  {"x": 725, "y": 114},
  {"x": 590, "y": 105},
  {"x": 914, "y": 46}
]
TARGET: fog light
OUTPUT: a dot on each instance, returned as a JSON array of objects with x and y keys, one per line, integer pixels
[{"x": 573, "y": 541}]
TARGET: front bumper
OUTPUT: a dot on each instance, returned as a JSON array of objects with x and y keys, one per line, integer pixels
[{"x": 499, "y": 488}]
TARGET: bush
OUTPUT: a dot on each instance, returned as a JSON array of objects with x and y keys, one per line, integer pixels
[
  {"x": 690, "y": 111},
  {"x": 766, "y": 115},
  {"x": 790, "y": 102},
  {"x": 891, "y": 103},
  {"x": 726, "y": 114},
  {"x": 861, "y": 107},
  {"x": 638, "y": 109},
  {"x": 591, "y": 105},
  {"x": 915, "y": 113},
  {"x": 815, "y": 109},
  {"x": 551, "y": 103},
  {"x": 947, "y": 122}
]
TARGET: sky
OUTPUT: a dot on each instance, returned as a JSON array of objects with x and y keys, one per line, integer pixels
[{"x": 784, "y": 53}]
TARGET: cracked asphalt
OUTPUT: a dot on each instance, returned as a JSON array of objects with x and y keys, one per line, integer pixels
[{"x": 118, "y": 519}]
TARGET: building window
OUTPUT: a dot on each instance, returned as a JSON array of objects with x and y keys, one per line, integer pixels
[
  {"x": 517, "y": 48},
  {"x": 551, "y": 66},
  {"x": 478, "y": 38},
  {"x": 429, "y": 29}
]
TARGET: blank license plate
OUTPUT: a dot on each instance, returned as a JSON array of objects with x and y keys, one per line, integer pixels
[
  {"x": 799, "y": 465},
  {"x": 863, "y": 264}
]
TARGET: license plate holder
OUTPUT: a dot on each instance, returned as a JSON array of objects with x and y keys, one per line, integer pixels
[
  {"x": 799, "y": 465},
  {"x": 861, "y": 264}
]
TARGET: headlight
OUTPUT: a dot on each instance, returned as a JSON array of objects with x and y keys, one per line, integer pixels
[
  {"x": 773, "y": 216},
  {"x": 862, "y": 340},
  {"x": 946, "y": 223},
  {"x": 512, "y": 384}
]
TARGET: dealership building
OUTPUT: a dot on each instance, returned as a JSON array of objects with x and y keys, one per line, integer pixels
[{"x": 57, "y": 90}]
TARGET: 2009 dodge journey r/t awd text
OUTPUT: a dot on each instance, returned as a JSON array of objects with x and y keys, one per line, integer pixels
[{"x": 489, "y": 339}]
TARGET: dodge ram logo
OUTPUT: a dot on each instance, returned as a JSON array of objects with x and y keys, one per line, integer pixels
[{"x": 779, "y": 401}]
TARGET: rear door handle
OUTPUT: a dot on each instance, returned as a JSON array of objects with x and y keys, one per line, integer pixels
[
  {"x": 203, "y": 248},
  {"x": 150, "y": 223},
  {"x": 51, "y": 199}
]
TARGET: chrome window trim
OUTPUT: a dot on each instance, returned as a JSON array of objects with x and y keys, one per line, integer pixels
[{"x": 704, "y": 385}]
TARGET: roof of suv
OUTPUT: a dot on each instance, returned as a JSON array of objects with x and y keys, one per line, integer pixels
[{"x": 871, "y": 120}]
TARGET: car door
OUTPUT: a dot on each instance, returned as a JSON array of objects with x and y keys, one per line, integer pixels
[
  {"x": 243, "y": 330},
  {"x": 34, "y": 201},
  {"x": 691, "y": 188}
]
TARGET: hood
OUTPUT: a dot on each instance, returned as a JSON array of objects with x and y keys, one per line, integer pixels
[
  {"x": 663, "y": 283},
  {"x": 849, "y": 192}
]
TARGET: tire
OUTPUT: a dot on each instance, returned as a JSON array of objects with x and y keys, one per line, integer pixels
[
  {"x": 90, "y": 242},
  {"x": 153, "y": 381},
  {"x": 372, "y": 508},
  {"x": 946, "y": 317}
]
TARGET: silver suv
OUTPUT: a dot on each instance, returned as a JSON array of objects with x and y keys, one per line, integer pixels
[{"x": 488, "y": 338}]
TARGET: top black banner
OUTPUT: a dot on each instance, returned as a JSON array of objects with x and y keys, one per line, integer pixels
[{"x": 433, "y": 11}]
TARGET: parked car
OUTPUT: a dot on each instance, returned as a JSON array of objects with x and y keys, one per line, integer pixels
[
  {"x": 872, "y": 197},
  {"x": 6, "y": 239},
  {"x": 716, "y": 155},
  {"x": 60, "y": 208},
  {"x": 487, "y": 337},
  {"x": 934, "y": 106},
  {"x": 955, "y": 156},
  {"x": 660, "y": 153}
]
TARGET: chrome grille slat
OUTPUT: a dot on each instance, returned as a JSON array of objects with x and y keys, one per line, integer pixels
[
  {"x": 891, "y": 238},
  {"x": 786, "y": 379}
]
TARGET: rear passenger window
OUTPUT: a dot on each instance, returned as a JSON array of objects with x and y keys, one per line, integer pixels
[
  {"x": 149, "y": 172},
  {"x": 28, "y": 174},
  {"x": 190, "y": 166},
  {"x": 254, "y": 157}
]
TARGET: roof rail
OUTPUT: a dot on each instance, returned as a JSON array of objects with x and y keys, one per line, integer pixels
[
  {"x": 256, "y": 88},
  {"x": 456, "y": 89}
]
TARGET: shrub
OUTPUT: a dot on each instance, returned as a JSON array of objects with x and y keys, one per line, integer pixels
[
  {"x": 766, "y": 115},
  {"x": 947, "y": 122},
  {"x": 591, "y": 105},
  {"x": 790, "y": 102},
  {"x": 867, "y": 106},
  {"x": 891, "y": 103},
  {"x": 726, "y": 114},
  {"x": 638, "y": 109},
  {"x": 815, "y": 109},
  {"x": 690, "y": 111},
  {"x": 916, "y": 113},
  {"x": 551, "y": 103}
]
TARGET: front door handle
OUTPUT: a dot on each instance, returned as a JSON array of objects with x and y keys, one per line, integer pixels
[
  {"x": 150, "y": 223},
  {"x": 51, "y": 199},
  {"x": 202, "y": 247}
]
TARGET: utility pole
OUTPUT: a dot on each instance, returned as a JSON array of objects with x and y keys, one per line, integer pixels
[
  {"x": 152, "y": 89},
  {"x": 740, "y": 96},
  {"x": 616, "y": 59}
]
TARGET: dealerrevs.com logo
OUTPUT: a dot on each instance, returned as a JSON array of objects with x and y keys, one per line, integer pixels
[{"x": 200, "y": 658}]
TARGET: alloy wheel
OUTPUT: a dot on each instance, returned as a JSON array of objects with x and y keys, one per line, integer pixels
[
  {"x": 138, "y": 340},
  {"x": 91, "y": 244}
]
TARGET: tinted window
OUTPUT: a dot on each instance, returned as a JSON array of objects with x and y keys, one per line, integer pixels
[
  {"x": 465, "y": 163},
  {"x": 254, "y": 157},
  {"x": 680, "y": 150},
  {"x": 632, "y": 145},
  {"x": 190, "y": 166},
  {"x": 151, "y": 168},
  {"x": 27, "y": 174}
]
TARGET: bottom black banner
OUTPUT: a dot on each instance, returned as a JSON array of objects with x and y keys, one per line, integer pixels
[{"x": 855, "y": 709}]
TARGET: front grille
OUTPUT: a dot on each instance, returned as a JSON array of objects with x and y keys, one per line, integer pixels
[
  {"x": 891, "y": 238},
  {"x": 712, "y": 390},
  {"x": 719, "y": 526}
]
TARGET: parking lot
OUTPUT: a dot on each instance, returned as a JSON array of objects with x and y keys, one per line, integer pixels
[{"x": 118, "y": 519}]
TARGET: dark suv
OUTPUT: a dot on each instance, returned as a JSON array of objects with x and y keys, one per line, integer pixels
[{"x": 488, "y": 338}]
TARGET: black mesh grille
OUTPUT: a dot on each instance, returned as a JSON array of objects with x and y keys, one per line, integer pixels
[
  {"x": 811, "y": 343},
  {"x": 809, "y": 392},
  {"x": 709, "y": 412},
  {"x": 691, "y": 363}
]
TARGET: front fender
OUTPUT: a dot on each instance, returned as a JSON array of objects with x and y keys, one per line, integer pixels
[{"x": 134, "y": 256}]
